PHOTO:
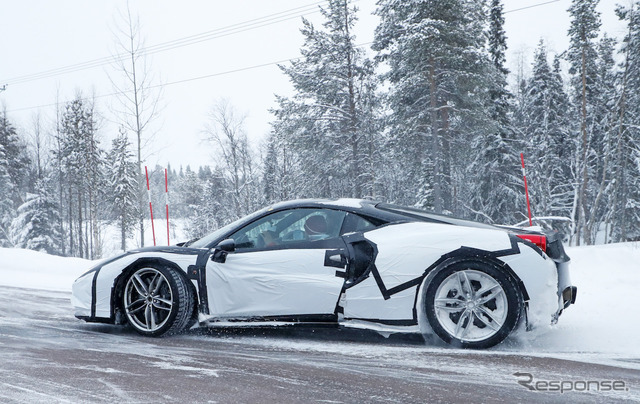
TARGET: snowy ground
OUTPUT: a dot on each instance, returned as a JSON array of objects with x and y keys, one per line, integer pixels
[
  {"x": 30, "y": 269},
  {"x": 597, "y": 338}
]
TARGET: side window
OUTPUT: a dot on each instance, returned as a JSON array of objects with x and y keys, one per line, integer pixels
[
  {"x": 257, "y": 234},
  {"x": 289, "y": 228},
  {"x": 354, "y": 223}
]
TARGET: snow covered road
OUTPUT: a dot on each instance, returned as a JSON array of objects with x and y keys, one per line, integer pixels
[{"x": 46, "y": 355}]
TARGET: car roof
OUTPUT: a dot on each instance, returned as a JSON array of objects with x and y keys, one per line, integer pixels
[
  {"x": 387, "y": 212},
  {"x": 349, "y": 203},
  {"x": 364, "y": 207}
]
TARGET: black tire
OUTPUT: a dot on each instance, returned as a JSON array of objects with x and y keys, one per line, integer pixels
[
  {"x": 157, "y": 301},
  {"x": 480, "y": 315}
]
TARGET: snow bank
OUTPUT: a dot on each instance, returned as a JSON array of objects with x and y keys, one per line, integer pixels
[{"x": 36, "y": 270}]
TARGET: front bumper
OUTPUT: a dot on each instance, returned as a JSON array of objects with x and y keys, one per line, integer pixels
[{"x": 81, "y": 296}]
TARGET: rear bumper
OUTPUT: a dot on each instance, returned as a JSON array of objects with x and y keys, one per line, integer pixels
[{"x": 566, "y": 291}]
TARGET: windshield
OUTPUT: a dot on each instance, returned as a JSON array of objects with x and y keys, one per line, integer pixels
[{"x": 211, "y": 237}]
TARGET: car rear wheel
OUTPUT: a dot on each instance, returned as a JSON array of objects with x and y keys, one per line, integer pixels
[
  {"x": 473, "y": 304},
  {"x": 157, "y": 301}
]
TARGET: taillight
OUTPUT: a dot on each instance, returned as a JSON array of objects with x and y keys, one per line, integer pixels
[{"x": 539, "y": 240}]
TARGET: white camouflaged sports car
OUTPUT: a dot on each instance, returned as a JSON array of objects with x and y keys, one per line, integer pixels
[{"x": 349, "y": 262}]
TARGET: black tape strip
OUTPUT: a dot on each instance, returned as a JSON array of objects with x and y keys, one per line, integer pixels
[
  {"x": 94, "y": 292},
  {"x": 381, "y": 286},
  {"x": 466, "y": 252},
  {"x": 340, "y": 309},
  {"x": 469, "y": 252},
  {"x": 530, "y": 244},
  {"x": 94, "y": 283},
  {"x": 462, "y": 252},
  {"x": 514, "y": 240},
  {"x": 406, "y": 285},
  {"x": 199, "y": 272}
]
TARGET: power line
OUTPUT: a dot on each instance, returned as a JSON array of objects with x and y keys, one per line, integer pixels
[
  {"x": 194, "y": 39},
  {"x": 291, "y": 13},
  {"x": 361, "y": 45},
  {"x": 531, "y": 6},
  {"x": 177, "y": 43},
  {"x": 209, "y": 35}
]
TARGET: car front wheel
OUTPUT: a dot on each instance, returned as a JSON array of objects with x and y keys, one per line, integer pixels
[
  {"x": 157, "y": 301},
  {"x": 473, "y": 304}
]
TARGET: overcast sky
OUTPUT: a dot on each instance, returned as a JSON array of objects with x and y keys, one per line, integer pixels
[{"x": 38, "y": 36}]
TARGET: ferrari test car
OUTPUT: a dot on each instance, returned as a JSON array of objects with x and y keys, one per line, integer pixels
[{"x": 348, "y": 262}]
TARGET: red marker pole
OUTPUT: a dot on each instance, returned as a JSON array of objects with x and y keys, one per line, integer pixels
[
  {"x": 526, "y": 188},
  {"x": 166, "y": 201},
  {"x": 153, "y": 229}
]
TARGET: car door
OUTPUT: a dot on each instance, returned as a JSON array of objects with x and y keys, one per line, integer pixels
[{"x": 278, "y": 267}]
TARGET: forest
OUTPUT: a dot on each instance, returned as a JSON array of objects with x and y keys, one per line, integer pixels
[{"x": 423, "y": 116}]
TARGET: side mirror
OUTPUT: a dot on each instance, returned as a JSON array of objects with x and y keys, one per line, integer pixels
[
  {"x": 227, "y": 245},
  {"x": 220, "y": 251}
]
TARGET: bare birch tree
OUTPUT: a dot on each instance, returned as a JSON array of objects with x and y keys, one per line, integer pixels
[
  {"x": 225, "y": 130},
  {"x": 138, "y": 99}
]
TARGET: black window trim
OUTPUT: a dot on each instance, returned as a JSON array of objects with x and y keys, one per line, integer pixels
[
  {"x": 379, "y": 217},
  {"x": 329, "y": 243}
]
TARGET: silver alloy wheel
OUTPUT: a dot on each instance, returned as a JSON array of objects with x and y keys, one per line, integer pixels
[
  {"x": 148, "y": 299},
  {"x": 471, "y": 305}
]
